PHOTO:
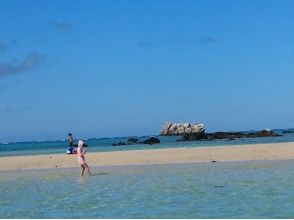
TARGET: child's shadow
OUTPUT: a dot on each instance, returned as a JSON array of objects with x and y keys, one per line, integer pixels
[
  {"x": 101, "y": 173},
  {"x": 84, "y": 179}
]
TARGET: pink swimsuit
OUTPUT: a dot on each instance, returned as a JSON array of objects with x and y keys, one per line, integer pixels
[{"x": 81, "y": 158}]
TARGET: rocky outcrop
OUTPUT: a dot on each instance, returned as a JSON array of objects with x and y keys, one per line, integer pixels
[
  {"x": 288, "y": 131},
  {"x": 151, "y": 140},
  {"x": 170, "y": 128},
  {"x": 133, "y": 140},
  {"x": 118, "y": 144},
  {"x": 229, "y": 135}
]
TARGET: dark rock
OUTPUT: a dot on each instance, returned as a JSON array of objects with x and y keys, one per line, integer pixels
[
  {"x": 119, "y": 144},
  {"x": 263, "y": 133},
  {"x": 132, "y": 140},
  {"x": 288, "y": 131},
  {"x": 151, "y": 140},
  {"x": 227, "y": 135},
  {"x": 193, "y": 136}
]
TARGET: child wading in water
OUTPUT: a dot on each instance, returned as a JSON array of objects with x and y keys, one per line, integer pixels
[{"x": 81, "y": 158}]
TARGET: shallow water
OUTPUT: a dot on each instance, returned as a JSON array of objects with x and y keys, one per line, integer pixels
[{"x": 252, "y": 189}]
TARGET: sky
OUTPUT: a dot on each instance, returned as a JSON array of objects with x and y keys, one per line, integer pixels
[{"x": 118, "y": 68}]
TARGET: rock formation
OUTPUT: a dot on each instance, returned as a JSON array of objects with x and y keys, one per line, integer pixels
[
  {"x": 151, "y": 140},
  {"x": 183, "y": 128},
  {"x": 134, "y": 140},
  {"x": 118, "y": 144},
  {"x": 229, "y": 135},
  {"x": 288, "y": 131}
]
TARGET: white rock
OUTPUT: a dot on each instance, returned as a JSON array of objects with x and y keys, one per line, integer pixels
[{"x": 181, "y": 128}]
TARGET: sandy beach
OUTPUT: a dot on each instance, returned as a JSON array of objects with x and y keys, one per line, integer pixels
[{"x": 277, "y": 151}]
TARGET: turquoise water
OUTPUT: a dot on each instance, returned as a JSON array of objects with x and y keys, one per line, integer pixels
[
  {"x": 252, "y": 189},
  {"x": 104, "y": 144}
]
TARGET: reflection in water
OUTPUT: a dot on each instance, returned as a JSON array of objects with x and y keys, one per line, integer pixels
[{"x": 82, "y": 180}]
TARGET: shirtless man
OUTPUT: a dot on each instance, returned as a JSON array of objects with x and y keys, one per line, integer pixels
[{"x": 70, "y": 144}]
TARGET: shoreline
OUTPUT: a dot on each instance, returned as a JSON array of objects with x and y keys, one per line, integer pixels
[{"x": 272, "y": 151}]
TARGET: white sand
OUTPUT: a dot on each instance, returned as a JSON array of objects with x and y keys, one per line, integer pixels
[{"x": 279, "y": 151}]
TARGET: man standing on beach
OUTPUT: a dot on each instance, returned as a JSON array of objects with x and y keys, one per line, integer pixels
[{"x": 70, "y": 144}]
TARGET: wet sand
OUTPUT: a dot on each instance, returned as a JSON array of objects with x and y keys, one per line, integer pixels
[{"x": 276, "y": 151}]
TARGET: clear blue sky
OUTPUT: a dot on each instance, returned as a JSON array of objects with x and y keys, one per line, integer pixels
[{"x": 116, "y": 68}]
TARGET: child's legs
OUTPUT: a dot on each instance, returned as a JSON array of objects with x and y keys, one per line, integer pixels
[
  {"x": 88, "y": 168},
  {"x": 83, "y": 169}
]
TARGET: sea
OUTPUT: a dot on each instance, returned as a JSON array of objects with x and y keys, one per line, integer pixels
[
  {"x": 247, "y": 189},
  {"x": 235, "y": 189},
  {"x": 105, "y": 144}
]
